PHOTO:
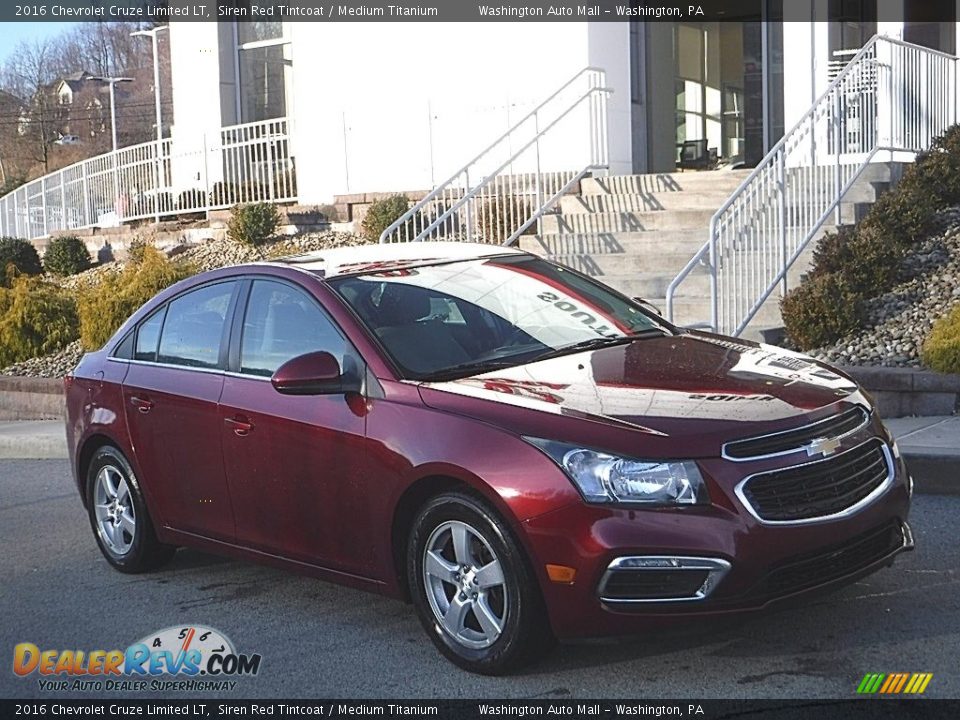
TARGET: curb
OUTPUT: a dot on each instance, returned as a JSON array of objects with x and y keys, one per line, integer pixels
[{"x": 21, "y": 447}]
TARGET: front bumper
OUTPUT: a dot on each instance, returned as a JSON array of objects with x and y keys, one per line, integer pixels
[{"x": 757, "y": 563}]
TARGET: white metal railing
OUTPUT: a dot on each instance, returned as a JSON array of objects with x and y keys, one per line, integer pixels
[
  {"x": 505, "y": 190},
  {"x": 890, "y": 101},
  {"x": 245, "y": 163}
]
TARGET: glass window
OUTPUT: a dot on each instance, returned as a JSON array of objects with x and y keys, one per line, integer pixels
[
  {"x": 194, "y": 328},
  {"x": 281, "y": 323},
  {"x": 464, "y": 316},
  {"x": 259, "y": 30},
  {"x": 265, "y": 75},
  {"x": 148, "y": 335}
]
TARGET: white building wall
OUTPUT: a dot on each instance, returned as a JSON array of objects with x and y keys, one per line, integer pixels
[
  {"x": 381, "y": 107},
  {"x": 195, "y": 74}
]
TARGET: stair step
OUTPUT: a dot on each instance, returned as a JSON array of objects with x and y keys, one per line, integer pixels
[
  {"x": 600, "y": 222},
  {"x": 644, "y": 202},
  {"x": 663, "y": 182}
]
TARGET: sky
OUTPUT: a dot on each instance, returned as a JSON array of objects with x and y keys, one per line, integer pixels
[{"x": 13, "y": 32}]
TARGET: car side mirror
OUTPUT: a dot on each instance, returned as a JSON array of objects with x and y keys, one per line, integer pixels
[
  {"x": 647, "y": 305},
  {"x": 316, "y": 373}
]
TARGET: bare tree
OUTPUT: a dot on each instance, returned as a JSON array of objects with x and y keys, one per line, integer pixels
[{"x": 30, "y": 75}]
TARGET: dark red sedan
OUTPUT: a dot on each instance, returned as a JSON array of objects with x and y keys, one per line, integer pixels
[{"x": 519, "y": 450}]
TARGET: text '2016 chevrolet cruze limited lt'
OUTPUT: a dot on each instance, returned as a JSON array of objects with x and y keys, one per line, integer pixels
[{"x": 522, "y": 452}]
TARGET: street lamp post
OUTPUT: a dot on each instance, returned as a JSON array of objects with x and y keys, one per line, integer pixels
[
  {"x": 112, "y": 81},
  {"x": 118, "y": 201},
  {"x": 152, "y": 34}
]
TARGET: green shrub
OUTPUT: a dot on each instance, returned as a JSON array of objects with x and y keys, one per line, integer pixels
[
  {"x": 22, "y": 255},
  {"x": 498, "y": 217},
  {"x": 821, "y": 311},
  {"x": 382, "y": 214},
  {"x": 36, "y": 318},
  {"x": 941, "y": 350},
  {"x": 104, "y": 307},
  {"x": 253, "y": 224},
  {"x": 66, "y": 256},
  {"x": 136, "y": 249}
]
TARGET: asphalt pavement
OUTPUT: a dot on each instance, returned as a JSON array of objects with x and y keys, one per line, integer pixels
[{"x": 321, "y": 640}]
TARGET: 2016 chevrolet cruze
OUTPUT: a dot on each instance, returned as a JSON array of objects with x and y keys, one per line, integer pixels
[{"x": 523, "y": 452}]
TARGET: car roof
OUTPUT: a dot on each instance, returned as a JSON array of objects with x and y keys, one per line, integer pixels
[{"x": 358, "y": 259}]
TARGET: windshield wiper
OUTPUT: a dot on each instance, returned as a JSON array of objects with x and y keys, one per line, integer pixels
[
  {"x": 599, "y": 342},
  {"x": 467, "y": 369}
]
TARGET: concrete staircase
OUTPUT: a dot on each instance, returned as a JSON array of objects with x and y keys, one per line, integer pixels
[{"x": 636, "y": 232}]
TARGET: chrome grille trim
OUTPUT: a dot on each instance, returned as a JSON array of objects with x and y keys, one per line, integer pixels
[
  {"x": 716, "y": 568},
  {"x": 811, "y": 431},
  {"x": 846, "y": 512}
]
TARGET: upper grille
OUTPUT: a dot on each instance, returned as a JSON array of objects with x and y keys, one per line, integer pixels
[
  {"x": 808, "y": 571},
  {"x": 793, "y": 440},
  {"x": 818, "y": 489}
]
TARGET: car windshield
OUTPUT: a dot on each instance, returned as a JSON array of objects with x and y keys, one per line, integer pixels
[{"x": 464, "y": 318}]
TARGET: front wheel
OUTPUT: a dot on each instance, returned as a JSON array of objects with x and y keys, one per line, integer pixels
[
  {"x": 473, "y": 592},
  {"x": 118, "y": 515}
]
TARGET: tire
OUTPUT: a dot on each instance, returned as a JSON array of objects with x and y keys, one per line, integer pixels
[
  {"x": 483, "y": 621},
  {"x": 119, "y": 517}
]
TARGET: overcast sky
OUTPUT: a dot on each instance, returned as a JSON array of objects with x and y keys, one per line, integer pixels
[{"x": 12, "y": 32}]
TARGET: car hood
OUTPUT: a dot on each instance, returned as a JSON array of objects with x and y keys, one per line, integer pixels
[{"x": 692, "y": 385}]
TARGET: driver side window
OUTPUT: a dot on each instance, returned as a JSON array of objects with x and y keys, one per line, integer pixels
[{"x": 281, "y": 323}]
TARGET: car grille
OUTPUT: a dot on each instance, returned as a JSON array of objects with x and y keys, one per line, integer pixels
[
  {"x": 798, "y": 438},
  {"x": 807, "y": 571},
  {"x": 653, "y": 584},
  {"x": 818, "y": 489}
]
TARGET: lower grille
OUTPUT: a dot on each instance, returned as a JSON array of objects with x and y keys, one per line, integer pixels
[
  {"x": 807, "y": 571},
  {"x": 818, "y": 489},
  {"x": 653, "y": 584}
]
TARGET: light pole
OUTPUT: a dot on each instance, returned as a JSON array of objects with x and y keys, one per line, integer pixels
[
  {"x": 152, "y": 34},
  {"x": 111, "y": 81}
]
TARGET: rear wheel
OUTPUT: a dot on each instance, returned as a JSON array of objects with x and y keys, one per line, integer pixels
[
  {"x": 119, "y": 517},
  {"x": 473, "y": 592}
]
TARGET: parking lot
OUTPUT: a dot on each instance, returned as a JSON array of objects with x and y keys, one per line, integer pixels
[{"x": 320, "y": 640}]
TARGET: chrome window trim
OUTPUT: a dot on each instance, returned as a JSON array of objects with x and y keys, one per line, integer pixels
[
  {"x": 868, "y": 415},
  {"x": 846, "y": 512},
  {"x": 173, "y": 366},
  {"x": 716, "y": 569}
]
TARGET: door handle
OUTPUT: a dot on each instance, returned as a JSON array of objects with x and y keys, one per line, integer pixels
[
  {"x": 141, "y": 404},
  {"x": 241, "y": 426}
]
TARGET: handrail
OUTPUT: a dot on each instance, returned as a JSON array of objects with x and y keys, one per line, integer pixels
[
  {"x": 455, "y": 201},
  {"x": 861, "y": 113}
]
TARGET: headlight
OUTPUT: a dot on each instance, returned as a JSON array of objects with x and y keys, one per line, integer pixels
[{"x": 604, "y": 478}]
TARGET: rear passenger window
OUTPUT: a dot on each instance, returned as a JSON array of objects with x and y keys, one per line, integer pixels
[
  {"x": 193, "y": 331},
  {"x": 148, "y": 335},
  {"x": 280, "y": 324}
]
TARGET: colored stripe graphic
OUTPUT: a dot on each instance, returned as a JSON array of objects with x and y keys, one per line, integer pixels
[{"x": 894, "y": 683}]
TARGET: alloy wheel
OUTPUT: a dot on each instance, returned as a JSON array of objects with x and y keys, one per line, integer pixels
[
  {"x": 465, "y": 584},
  {"x": 115, "y": 513}
]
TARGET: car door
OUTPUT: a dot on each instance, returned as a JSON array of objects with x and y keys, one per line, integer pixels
[
  {"x": 292, "y": 461},
  {"x": 171, "y": 396}
]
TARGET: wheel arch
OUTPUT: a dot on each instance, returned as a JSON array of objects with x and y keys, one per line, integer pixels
[{"x": 88, "y": 449}]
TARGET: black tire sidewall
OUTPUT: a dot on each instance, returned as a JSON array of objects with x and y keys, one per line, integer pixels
[
  {"x": 145, "y": 546},
  {"x": 513, "y": 648}
]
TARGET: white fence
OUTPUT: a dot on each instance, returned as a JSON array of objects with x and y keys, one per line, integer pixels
[{"x": 246, "y": 163}]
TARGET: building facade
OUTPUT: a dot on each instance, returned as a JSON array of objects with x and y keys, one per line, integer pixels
[{"x": 383, "y": 107}]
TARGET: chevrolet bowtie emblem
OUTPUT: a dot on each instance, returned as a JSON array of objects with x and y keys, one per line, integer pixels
[{"x": 822, "y": 446}]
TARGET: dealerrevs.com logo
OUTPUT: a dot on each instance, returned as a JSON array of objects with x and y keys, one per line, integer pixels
[{"x": 190, "y": 658}]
